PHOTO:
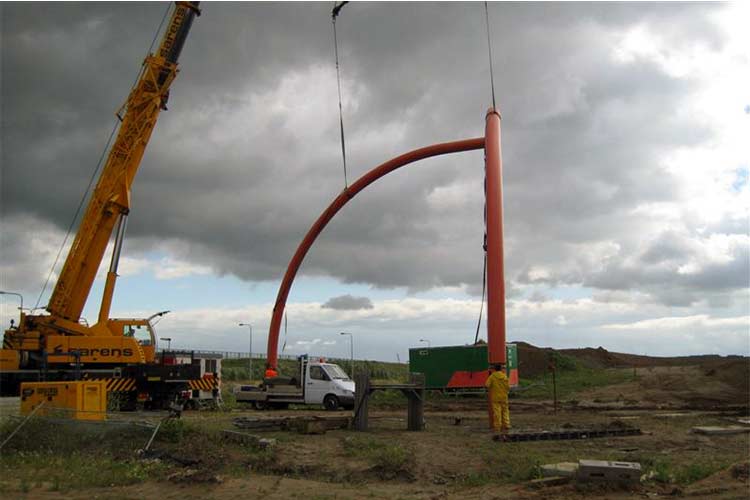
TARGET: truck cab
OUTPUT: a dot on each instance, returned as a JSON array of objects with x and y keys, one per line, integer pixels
[
  {"x": 327, "y": 384},
  {"x": 316, "y": 383}
]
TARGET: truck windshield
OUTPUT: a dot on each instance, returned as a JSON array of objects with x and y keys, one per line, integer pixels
[{"x": 336, "y": 373}]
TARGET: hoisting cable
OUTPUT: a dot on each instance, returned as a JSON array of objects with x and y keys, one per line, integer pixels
[
  {"x": 484, "y": 289},
  {"x": 484, "y": 266},
  {"x": 334, "y": 14},
  {"x": 75, "y": 217},
  {"x": 489, "y": 51},
  {"x": 492, "y": 87},
  {"x": 96, "y": 170}
]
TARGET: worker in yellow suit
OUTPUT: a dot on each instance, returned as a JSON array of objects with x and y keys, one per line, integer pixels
[{"x": 498, "y": 386}]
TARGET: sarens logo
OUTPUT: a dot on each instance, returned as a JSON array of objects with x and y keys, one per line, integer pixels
[{"x": 104, "y": 352}]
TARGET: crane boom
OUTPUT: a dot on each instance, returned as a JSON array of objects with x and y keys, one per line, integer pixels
[
  {"x": 110, "y": 201},
  {"x": 121, "y": 351}
]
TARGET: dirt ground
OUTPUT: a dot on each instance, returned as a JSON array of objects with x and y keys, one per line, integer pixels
[
  {"x": 700, "y": 387},
  {"x": 455, "y": 457}
]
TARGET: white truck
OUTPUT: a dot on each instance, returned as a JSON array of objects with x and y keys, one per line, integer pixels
[{"x": 316, "y": 383}]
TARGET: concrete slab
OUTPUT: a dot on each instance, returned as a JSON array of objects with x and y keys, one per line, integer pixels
[
  {"x": 603, "y": 470},
  {"x": 720, "y": 431},
  {"x": 562, "y": 469}
]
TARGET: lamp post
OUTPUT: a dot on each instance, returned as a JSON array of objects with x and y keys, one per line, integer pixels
[
  {"x": 17, "y": 295},
  {"x": 168, "y": 340},
  {"x": 250, "y": 355},
  {"x": 351, "y": 352},
  {"x": 427, "y": 341}
]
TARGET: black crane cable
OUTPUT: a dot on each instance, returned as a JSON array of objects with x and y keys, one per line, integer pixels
[
  {"x": 489, "y": 51},
  {"x": 484, "y": 289},
  {"x": 334, "y": 14},
  {"x": 96, "y": 171},
  {"x": 484, "y": 245}
]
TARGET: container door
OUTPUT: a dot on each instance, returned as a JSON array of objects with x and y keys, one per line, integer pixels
[
  {"x": 92, "y": 401},
  {"x": 512, "y": 364},
  {"x": 317, "y": 385}
]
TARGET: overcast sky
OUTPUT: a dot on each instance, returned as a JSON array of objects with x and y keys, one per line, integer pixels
[{"x": 625, "y": 152}]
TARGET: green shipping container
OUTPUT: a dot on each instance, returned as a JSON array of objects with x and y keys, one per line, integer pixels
[{"x": 459, "y": 367}]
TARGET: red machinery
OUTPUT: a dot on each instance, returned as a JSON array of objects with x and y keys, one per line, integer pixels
[{"x": 495, "y": 266}]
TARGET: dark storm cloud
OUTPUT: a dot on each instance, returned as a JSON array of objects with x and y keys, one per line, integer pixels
[
  {"x": 247, "y": 155},
  {"x": 347, "y": 303}
]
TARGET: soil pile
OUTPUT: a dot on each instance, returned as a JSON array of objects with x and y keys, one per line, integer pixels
[{"x": 533, "y": 361}]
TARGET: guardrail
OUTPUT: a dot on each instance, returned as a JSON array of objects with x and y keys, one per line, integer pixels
[{"x": 230, "y": 354}]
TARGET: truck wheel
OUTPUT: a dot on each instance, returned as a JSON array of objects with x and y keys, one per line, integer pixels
[
  {"x": 331, "y": 402},
  {"x": 259, "y": 405}
]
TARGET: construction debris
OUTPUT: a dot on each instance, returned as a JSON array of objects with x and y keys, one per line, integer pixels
[
  {"x": 248, "y": 439},
  {"x": 677, "y": 415},
  {"x": 548, "y": 481},
  {"x": 720, "y": 431},
  {"x": 562, "y": 469},
  {"x": 566, "y": 434},
  {"x": 194, "y": 476},
  {"x": 602, "y": 470},
  {"x": 303, "y": 424}
]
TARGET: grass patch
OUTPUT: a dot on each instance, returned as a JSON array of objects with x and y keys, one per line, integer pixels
[
  {"x": 59, "y": 455},
  {"x": 389, "y": 460},
  {"x": 667, "y": 472},
  {"x": 64, "y": 455},
  {"x": 70, "y": 436},
  {"x": 55, "y": 472},
  {"x": 515, "y": 466},
  {"x": 572, "y": 377}
]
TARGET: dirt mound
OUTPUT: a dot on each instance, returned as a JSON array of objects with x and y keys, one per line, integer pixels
[
  {"x": 602, "y": 358},
  {"x": 597, "y": 358},
  {"x": 533, "y": 361},
  {"x": 729, "y": 483},
  {"x": 735, "y": 373}
]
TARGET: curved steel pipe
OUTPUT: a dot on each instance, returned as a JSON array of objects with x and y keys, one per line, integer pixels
[{"x": 338, "y": 203}]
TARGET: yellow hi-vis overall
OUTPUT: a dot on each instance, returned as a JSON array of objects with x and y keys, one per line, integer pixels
[{"x": 498, "y": 386}]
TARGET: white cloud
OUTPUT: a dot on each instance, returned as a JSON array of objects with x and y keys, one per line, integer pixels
[{"x": 682, "y": 322}]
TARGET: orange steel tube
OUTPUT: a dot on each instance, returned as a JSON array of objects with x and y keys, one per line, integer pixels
[
  {"x": 495, "y": 266},
  {"x": 332, "y": 210}
]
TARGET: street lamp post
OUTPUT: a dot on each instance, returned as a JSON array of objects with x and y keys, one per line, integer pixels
[
  {"x": 427, "y": 341},
  {"x": 250, "y": 355},
  {"x": 168, "y": 340},
  {"x": 351, "y": 352}
]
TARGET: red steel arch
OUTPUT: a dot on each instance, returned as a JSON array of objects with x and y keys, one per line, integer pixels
[{"x": 492, "y": 156}]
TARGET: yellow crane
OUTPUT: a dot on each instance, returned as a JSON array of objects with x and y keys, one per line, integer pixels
[{"x": 52, "y": 342}]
